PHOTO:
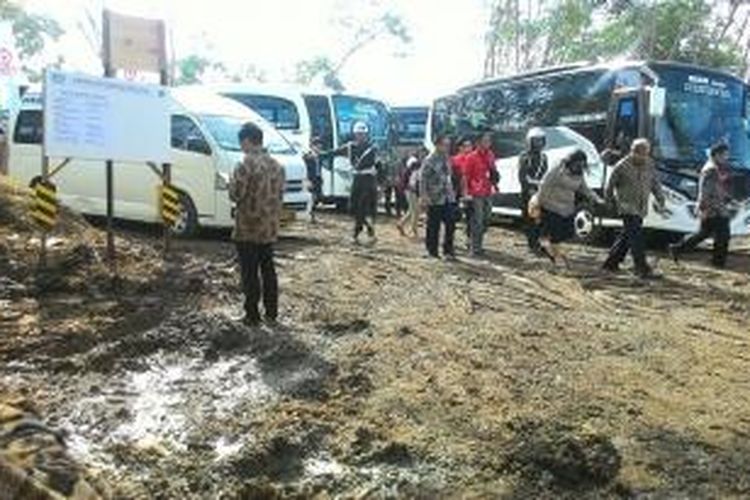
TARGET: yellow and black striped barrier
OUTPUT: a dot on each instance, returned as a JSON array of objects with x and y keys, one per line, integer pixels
[
  {"x": 44, "y": 206},
  {"x": 170, "y": 204}
]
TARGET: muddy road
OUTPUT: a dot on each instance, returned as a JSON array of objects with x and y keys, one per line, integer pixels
[{"x": 392, "y": 376}]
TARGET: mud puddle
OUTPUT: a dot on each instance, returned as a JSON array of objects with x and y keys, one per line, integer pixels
[{"x": 165, "y": 407}]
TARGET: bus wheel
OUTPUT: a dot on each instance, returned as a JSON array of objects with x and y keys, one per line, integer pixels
[{"x": 186, "y": 224}]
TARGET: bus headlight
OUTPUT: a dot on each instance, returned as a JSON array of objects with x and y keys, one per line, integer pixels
[{"x": 222, "y": 182}]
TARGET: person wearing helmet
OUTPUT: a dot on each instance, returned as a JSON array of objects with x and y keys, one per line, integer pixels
[
  {"x": 532, "y": 165},
  {"x": 364, "y": 195},
  {"x": 557, "y": 200}
]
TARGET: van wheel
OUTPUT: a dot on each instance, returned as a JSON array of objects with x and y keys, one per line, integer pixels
[{"x": 186, "y": 224}]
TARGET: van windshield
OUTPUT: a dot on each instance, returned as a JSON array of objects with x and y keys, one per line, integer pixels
[{"x": 224, "y": 130}]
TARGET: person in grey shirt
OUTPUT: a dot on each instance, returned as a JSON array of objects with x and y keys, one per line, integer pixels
[
  {"x": 630, "y": 187},
  {"x": 714, "y": 199},
  {"x": 439, "y": 196},
  {"x": 557, "y": 199}
]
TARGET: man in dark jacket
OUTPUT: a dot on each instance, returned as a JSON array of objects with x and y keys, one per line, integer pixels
[
  {"x": 532, "y": 165},
  {"x": 364, "y": 195},
  {"x": 714, "y": 198},
  {"x": 632, "y": 182}
]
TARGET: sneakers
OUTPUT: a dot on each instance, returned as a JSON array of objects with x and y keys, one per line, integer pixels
[{"x": 450, "y": 257}]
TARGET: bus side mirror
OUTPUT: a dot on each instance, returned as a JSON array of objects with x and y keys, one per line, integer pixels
[
  {"x": 198, "y": 145},
  {"x": 658, "y": 102}
]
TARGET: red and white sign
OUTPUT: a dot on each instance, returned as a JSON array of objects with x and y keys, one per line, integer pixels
[{"x": 8, "y": 56}]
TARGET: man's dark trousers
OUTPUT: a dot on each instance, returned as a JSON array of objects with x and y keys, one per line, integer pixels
[
  {"x": 438, "y": 215},
  {"x": 259, "y": 275},
  {"x": 719, "y": 228},
  {"x": 631, "y": 238},
  {"x": 532, "y": 227}
]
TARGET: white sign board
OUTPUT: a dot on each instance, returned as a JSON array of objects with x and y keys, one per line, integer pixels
[
  {"x": 134, "y": 43},
  {"x": 105, "y": 119}
]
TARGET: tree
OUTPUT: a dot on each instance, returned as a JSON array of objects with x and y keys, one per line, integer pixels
[
  {"x": 193, "y": 68},
  {"x": 319, "y": 67},
  {"x": 32, "y": 33},
  {"x": 713, "y": 34},
  {"x": 361, "y": 28}
]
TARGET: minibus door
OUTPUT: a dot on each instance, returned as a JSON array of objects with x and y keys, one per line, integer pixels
[{"x": 321, "y": 126}]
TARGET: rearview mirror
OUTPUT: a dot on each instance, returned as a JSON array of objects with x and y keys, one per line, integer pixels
[{"x": 198, "y": 145}]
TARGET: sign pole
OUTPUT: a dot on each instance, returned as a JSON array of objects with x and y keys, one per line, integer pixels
[
  {"x": 45, "y": 174},
  {"x": 43, "y": 237},
  {"x": 166, "y": 168},
  {"x": 109, "y": 72}
]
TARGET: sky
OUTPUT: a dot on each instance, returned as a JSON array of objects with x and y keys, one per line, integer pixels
[{"x": 446, "y": 51}]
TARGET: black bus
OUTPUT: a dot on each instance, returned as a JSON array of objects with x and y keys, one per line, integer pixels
[{"x": 683, "y": 109}]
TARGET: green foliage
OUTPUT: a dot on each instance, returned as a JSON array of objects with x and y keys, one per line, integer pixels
[
  {"x": 192, "y": 68},
  {"x": 32, "y": 32},
  {"x": 562, "y": 31}
]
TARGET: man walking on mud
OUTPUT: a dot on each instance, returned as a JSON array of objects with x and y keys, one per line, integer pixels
[
  {"x": 364, "y": 197},
  {"x": 714, "y": 199},
  {"x": 532, "y": 166},
  {"x": 257, "y": 189},
  {"x": 632, "y": 182}
]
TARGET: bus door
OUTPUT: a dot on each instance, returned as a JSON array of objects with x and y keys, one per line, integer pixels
[
  {"x": 628, "y": 120},
  {"x": 321, "y": 126}
]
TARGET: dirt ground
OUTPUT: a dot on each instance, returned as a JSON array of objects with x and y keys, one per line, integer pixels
[{"x": 391, "y": 376}]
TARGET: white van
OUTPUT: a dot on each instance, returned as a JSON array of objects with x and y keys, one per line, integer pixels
[
  {"x": 205, "y": 151},
  {"x": 301, "y": 113}
]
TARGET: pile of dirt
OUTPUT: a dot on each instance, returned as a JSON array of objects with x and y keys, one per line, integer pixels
[{"x": 48, "y": 312}]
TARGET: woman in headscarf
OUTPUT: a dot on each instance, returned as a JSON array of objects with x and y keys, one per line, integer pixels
[{"x": 557, "y": 200}]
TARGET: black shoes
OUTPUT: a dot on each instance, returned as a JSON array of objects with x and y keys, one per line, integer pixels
[
  {"x": 251, "y": 321},
  {"x": 674, "y": 253}
]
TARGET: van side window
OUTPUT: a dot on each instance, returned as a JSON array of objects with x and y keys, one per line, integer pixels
[
  {"x": 29, "y": 127},
  {"x": 186, "y": 136},
  {"x": 281, "y": 112}
]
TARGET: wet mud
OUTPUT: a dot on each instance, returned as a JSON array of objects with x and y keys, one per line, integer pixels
[{"x": 390, "y": 376}]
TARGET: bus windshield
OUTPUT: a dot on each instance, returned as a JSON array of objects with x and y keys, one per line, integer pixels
[
  {"x": 701, "y": 110},
  {"x": 224, "y": 130},
  {"x": 411, "y": 124},
  {"x": 349, "y": 110}
]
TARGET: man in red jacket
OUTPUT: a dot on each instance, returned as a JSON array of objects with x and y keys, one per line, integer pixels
[
  {"x": 480, "y": 178},
  {"x": 465, "y": 148}
]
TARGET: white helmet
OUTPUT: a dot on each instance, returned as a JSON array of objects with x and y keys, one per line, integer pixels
[
  {"x": 536, "y": 137},
  {"x": 360, "y": 128}
]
